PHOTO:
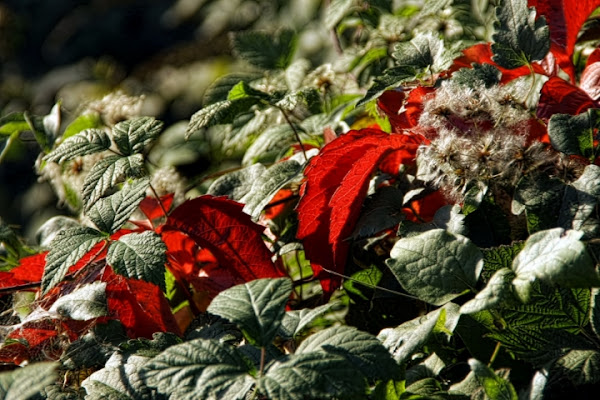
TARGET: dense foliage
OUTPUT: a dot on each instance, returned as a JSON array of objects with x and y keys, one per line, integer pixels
[{"x": 416, "y": 216}]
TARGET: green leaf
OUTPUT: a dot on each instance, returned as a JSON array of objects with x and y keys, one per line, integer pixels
[
  {"x": 595, "y": 313},
  {"x": 237, "y": 184},
  {"x": 295, "y": 321},
  {"x": 85, "y": 303},
  {"x": 496, "y": 388},
  {"x": 519, "y": 38},
  {"x": 582, "y": 367},
  {"x": 266, "y": 50},
  {"x": 336, "y": 11},
  {"x": 479, "y": 75},
  {"x": 81, "y": 123},
  {"x": 270, "y": 145},
  {"x": 497, "y": 291},
  {"x": 65, "y": 250},
  {"x": 390, "y": 390},
  {"x": 540, "y": 196},
  {"x": 500, "y": 257},
  {"x": 429, "y": 368},
  {"x": 361, "y": 349},
  {"x": 391, "y": 78},
  {"x": 256, "y": 307},
  {"x": 448, "y": 217},
  {"x": 219, "y": 89},
  {"x": 222, "y": 112},
  {"x": 119, "y": 379},
  {"x": 133, "y": 135},
  {"x": 200, "y": 369},
  {"x": 296, "y": 72},
  {"x": 437, "y": 266},
  {"x": 556, "y": 257},
  {"x": 579, "y": 203},
  {"x": 423, "y": 51},
  {"x": 13, "y": 124},
  {"x": 268, "y": 184},
  {"x": 242, "y": 90},
  {"x": 93, "y": 349},
  {"x": 25, "y": 383},
  {"x": 406, "y": 339},
  {"x": 317, "y": 375},
  {"x": 380, "y": 211},
  {"x": 108, "y": 172},
  {"x": 87, "y": 142},
  {"x": 111, "y": 212},
  {"x": 574, "y": 134},
  {"x": 140, "y": 256}
]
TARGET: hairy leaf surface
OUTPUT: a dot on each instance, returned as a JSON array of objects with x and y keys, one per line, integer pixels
[
  {"x": 87, "y": 142},
  {"x": 295, "y": 321},
  {"x": 67, "y": 248},
  {"x": 436, "y": 266},
  {"x": 496, "y": 388},
  {"x": 140, "y": 256},
  {"x": 85, "y": 303},
  {"x": 361, "y": 349},
  {"x": 574, "y": 135},
  {"x": 110, "y": 213},
  {"x": 520, "y": 38},
  {"x": 25, "y": 383},
  {"x": 497, "y": 290},
  {"x": 133, "y": 135},
  {"x": 256, "y": 307},
  {"x": 199, "y": 369},
  {"x": 265, "y": 50},
  {"x": 120, "y": 378},
  {"x": 106, "y": 173}
]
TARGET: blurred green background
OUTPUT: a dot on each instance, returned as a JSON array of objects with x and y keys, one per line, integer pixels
[{"x": 76, "y": 51}]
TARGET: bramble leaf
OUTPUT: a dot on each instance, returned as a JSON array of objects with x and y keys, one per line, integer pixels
[
  {"x": 26, "y": 383},
  {"x": 520, "y": 38},
  {"x": 200, "y": 369},
  {"x": 404, "y": 340},
  {"x": 574, "y": 134},
  {"x": 496, "y": 388},
  {"x": 119, "y": 379},
  {"x": 554, "y": 256},
  {"x": 265, "y": 50},
  {"x": 237, "y": 184},
  {"x": 268, "y": 184},
  {"x": 106, "y": 173},
  {"x": 390, "y": 79},
  {"x": 424, "y": 50},
  {"x": 582, "y": 367},
  {"x": 87, "y": 142},
  {"x": 437, "y": 266},
  {"x": 361, "y": 349},
  {"x": 316, "y": 375},
  {"x": 381, "y": 211},
  {"x": 133, "y": 135},
  {"x": 336, "y": 11},
  {"x": 222, "y": 112},
  {"x": 579, "y": 203},
  {"x": 84, "y": 303},
  {"x": 140, "y": 256},
  {"x": 270, "y": 145},
  {"x": 256, "y": 307},
  {"x": 110, "y": 213},
  {"x": 67, "y": 248}
]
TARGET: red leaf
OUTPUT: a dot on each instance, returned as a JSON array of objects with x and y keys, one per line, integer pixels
[
  {"x": 565, "y": 19},
  {"x": 219, "y": 225},
  {"x": 391, "y": 102},
  {"x": 152, "y": 209},
  {"x": 140, "y": 306},
  {"x": 30, "y": 268},
  {"x": 278, "y": 204},
  {"x": 336, "y": 185},
  {"x": 559, "y": 96}
]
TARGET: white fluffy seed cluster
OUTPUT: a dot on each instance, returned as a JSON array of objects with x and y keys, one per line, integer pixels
[
  {"x": 477, "y": 135},
  {"x": 116, "y": 107}
]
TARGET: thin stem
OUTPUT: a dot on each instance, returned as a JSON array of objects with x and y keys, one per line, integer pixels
[
  {"x": 495, "y": 354},
  {"x": 295, "y": 132},
  {"x": 162, "y": 207},
  {"x": 263, "y": 353}
]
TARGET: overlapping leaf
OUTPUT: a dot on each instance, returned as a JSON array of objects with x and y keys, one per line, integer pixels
[
  {"x": 87, "y": 142},
  {"x": 265, "y": 50},
  {"x": 85, "y": 303},
  {"x": 110, "y": 213},
  {"x": 26, "y": 383},
  {"x": 336, "y": 184},
  {"x": 520, "y": 38},
  {"x": 133, "y": 135},
  {"x": 257, "y": 308},
  {"x": 219, "y": 225},
  {"x": 106, "y": 173},
  {"x": 140, "y": 256},
  {"x": 67, "y": 248},
  {"x": 205, "y": 369}
]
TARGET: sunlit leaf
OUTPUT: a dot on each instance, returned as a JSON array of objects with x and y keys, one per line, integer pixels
[
  {"x": 140, "y": 256},
  {"x": 133, "y": 135},
  {"x": 26, "y": 383},
  {"x": 496, "y": 388},
  {"x": 436, "y": 266},
  {"x": 257, "y": 307},
  {"x": 67, "y": 248},
  {"x": 86, "y": 302},
  {"x": 86, "y": 142}
]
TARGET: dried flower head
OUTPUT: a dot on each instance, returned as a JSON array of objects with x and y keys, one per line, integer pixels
[{"x": 116, "y": 107}]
